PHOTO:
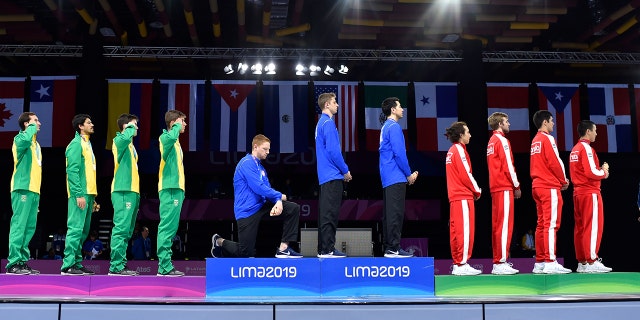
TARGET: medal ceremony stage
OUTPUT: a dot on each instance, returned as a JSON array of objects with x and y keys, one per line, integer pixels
[{"x": 310, "y": 288}]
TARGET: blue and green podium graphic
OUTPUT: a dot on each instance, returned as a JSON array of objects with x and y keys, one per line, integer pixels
[{"x": 311, "y": 277}]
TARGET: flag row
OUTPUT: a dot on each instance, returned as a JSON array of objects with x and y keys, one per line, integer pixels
[{"x": 225, "y": 115}]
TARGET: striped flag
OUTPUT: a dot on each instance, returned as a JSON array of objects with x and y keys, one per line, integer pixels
[
  {"x": 436, "y": 110},
  {"x": 11, "y": 106},
  {"x": 610, "y": 109},
  {"x": 374, "y": 94},
  {"x": 233, "y": 115},
  {"x": 133, "y": 97},
  {"x": 512, "y": 99},
  {"x": 286, "y": 115},
  {"x": 563, "y": 101},
  {"x": 347, "y": 117},
  {"x": 53, "y": 99},
  {"x": 186, "y": 96}
]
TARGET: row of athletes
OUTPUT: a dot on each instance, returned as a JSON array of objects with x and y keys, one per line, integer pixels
[
  {"x": 548, "y": 180},
  {"x": 82, "y": 192}
]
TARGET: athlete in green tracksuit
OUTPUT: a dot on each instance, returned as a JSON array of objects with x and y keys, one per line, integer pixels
[
  {"x": 82, "y": 191},
  {"x": 170, "y": 189},
  {"x": 125, "y": 193},
  {"x": 25, "y": 193}
]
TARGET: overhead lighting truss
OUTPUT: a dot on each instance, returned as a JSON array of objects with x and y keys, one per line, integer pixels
[{"x": 321, "y": 54}]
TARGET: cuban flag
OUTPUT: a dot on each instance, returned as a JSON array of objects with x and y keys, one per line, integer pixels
[
  {"x": 186, "y": 96},
  {"x": 347, "y": 117},
  {"x": 11, "y": 106},
  {"x": 563, "y": 101},
  {"x": 610, "y": 109},
  {"x": 436, "y": 110},
  {"x": 512, "y": 99},
  {"x": 53, "y": 99},
  {"x": 233, "y": 115},
  {"x": 286, "y": 115}
]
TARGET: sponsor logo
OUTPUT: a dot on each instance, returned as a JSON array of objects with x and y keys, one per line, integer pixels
[
  {"x": 573, "y": 157},
  {"x": 128, "y": 205},
  {"x": 536, "y": 147},
  {"x": 449, "y": 155},
  {"x": 377, "y": 272},
  {"x": 176, "y": 202},
  {"x": 23, "y": 198},
  {"x": 489, "y": 149}
]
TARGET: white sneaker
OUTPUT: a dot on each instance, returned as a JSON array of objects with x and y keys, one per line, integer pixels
[
  {"x": 596, "y": 267},
  {"x": 504, "y": 268},
  {"x": 581, "y": 267},
  {"x": 538, "y": 267},
  {"x": 554, "y": 268},
  {"x": 465, "y": 270}
]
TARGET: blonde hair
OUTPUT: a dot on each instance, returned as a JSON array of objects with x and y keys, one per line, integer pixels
[
  {"x": 324, "y": 98},
  {"x": 259, "y": 139},
  {"x": 496, "y": 118}
]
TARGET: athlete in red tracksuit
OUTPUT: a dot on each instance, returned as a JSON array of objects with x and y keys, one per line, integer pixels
[
  {"x": 586, "y": 174},
  {"x": 463, "y": 190},
  {"x": 548, "y": 179},
  {"x": 504, "y": 186}
]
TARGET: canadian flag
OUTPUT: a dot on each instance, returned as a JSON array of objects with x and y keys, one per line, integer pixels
[{"x": 11, "y": 106}]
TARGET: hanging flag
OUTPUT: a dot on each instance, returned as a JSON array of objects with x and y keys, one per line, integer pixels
[
  {"x": 610, "y": 109},
  {"x": 436, "y": 110},
  {"x": 563, "y": 101},
  {"x": 374, "y": 94},
  {"x": 133, "y": 97},
  {"x": 186, "y": 96},
  {"x": 512, "y": 99},
  {"x": 11, "y": 106},
  {"x": 347, "y": 117},
  {"x": 286, "y": 110},
  {"x": 233, "y": 115},
  {"x": 53, "y": 99}
]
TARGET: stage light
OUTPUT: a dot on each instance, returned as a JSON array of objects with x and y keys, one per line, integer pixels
[
  {"x": 228, "y": 69},
  {"x": 242, "y": 67},
  {"x": 314, "y": 70},
  {"x": 256, "y": 68},
  {"x": 300, "y": 69},
  {"x": 270, "y": 68},
  {"x": 329, "y": 71},
  {"x": 343, "y": 69}
]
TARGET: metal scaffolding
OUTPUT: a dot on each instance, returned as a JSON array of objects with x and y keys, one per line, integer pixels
[{"x": 321, "y": 54}]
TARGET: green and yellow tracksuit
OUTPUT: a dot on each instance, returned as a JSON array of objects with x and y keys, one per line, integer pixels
[
  {"x": 25, "y": 193},
  {"x": 125, "y": 196},
  {"x": 81, "y": 182},
  {"x": 171, "y": 193}
]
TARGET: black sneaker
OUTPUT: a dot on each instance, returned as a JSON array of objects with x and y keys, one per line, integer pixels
[
  {"x": 172, "y": 273},
  {"x": 216, "y": 250},
  {"x": 18, "y": 270},
  {"x": 31, "y": 271},
  {"x": 124, "y": 272},
  {"x": 72, "y": 271},
  {"x": 86, "y": 271}
]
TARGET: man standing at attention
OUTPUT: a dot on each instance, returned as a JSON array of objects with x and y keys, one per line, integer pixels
[
  {"x": 504, "y": 187},
  {"x": 395, "y": 174},
  {"x": 586, "y": 174},
  {"x": 548, "y": 179},
  {"x": 170, "y": 189},
  {"x": 462, "y": 190},
  {"x": 125, "y": 193},
  {"x": 25, "y": 193},
  {"x": 82, "y": 190},
  {"x": 332, "y": 171}
]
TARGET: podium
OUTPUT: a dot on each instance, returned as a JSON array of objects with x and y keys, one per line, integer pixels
[{"x": 319, "y": 278}]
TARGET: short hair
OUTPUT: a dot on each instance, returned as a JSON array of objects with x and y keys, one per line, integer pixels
[
  {"x": 259, "y": 139},
  {"x": 540, "y": 116},
  {"x": 455, "y": 131},
  {"x": 585, "y": 125},
  {"x": 496, "y": 118},
  {"x": 324, "y": 98},
  {"x": 387, "y": 104},
  {"x": 24, "y": 117},
  {"x": 78, "y": 120},
  {"x": 125, "y": 118},
  {"x": 173, "y": 115}
]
